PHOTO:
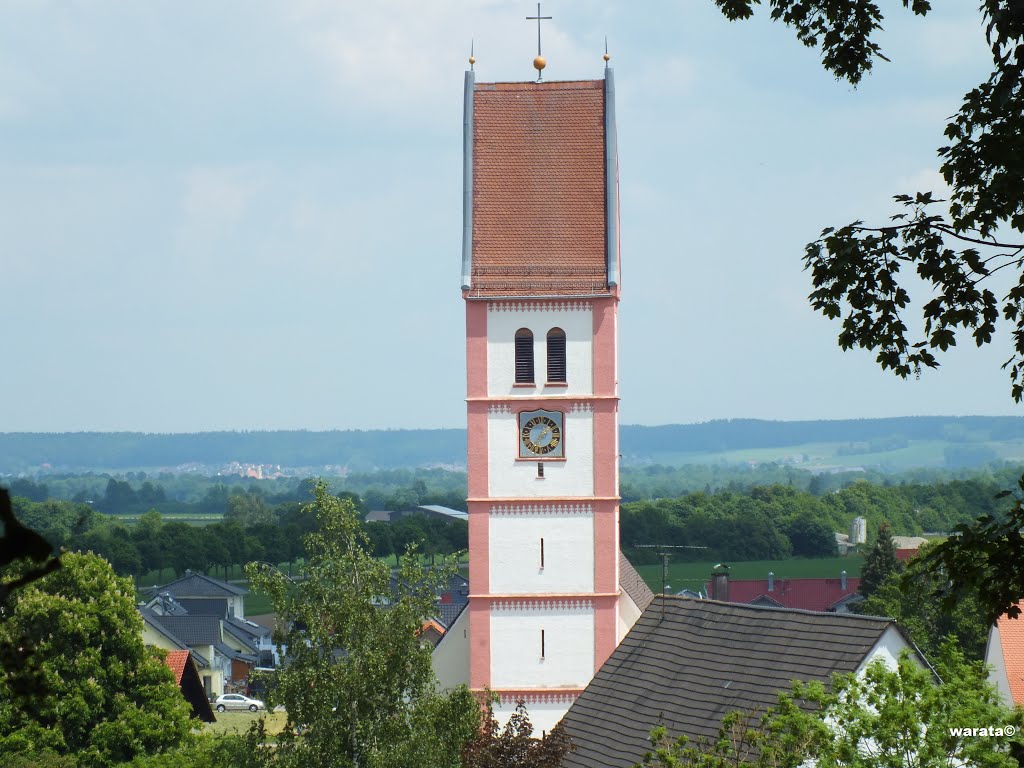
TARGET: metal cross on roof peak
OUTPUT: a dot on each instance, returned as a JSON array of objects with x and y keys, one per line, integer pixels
[{"x": 538, "y": 63}]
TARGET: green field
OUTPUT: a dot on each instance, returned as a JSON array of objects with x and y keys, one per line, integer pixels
[
  {"x": 239, "y": 722},
  {"x": 198, "y": 518},
  {"x": 817, "y": 456},
  {"x": 695, "y": 575}
]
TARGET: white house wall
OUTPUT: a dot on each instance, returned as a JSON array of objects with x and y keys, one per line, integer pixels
[
  {"x": 516, "y": 660},
  {"x": 628, "y": 612},
  {"x": 888, "y": 649},
  {"x": 450, "y": 657},
  {"x": 575, "y": 318},
  {"x": 514, "y": 542},
  {"x": 511, "y": 477},
  {"x": 997, "y": 666}
]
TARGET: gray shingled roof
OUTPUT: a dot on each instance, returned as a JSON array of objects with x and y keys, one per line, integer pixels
[
  {"x": 152, "y": 618},
  {"x": 633, "y": 585},
  {"x": 231, "y": 653},
  {"x": 447, "y": 613},
  {"x": 193, "y": 630},
  {"x": 246, "y": 634},
  {"x": 201, "y": 585},
  {"x": 687, "y": 663},
  {"x": 205, "y": 606}
]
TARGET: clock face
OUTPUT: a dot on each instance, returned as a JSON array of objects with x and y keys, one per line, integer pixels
[{"x": 540, "y": 434}]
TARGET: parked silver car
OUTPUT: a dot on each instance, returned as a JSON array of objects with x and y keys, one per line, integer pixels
[{"x": 238, "y": 701}]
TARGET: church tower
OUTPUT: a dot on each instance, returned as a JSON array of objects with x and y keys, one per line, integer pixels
[{"x": 540, "y": 278}]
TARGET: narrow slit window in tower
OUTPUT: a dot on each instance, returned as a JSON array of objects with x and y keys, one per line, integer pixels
[
  {"x": 541, "y": 551},
  {"x": 542, "y": 643}
]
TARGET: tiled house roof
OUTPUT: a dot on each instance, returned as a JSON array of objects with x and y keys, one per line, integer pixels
[
  {"x": 187, "y": 677},
  {"x": 1011, "y": 638},
  {"x": 633, "y": 585},
  {"x": 176, "y": 660},
  {"x": 804, "y": 594},
  {"x": 447, "y": 613},
  {"x": 539, "y": 189},
  {"x": 687, "y": 663},
  {"x": 201, "y": 585},
  {"x": 154, "y": 620},
  {"x": 193, "y": 630},
  {"x": 206, "y": 606}
]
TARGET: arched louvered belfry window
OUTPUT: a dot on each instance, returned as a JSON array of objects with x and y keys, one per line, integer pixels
[
  {"x": 524, "y": 356},
  {"x": 556, "y": 356}
]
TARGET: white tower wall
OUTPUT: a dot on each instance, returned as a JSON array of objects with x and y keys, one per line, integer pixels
[
  {"x": 515, "y": 539},
  {"x": 568, "y": 652},
  {"x": 575, "y": 318},
  {"x": 511, "y": 477}
]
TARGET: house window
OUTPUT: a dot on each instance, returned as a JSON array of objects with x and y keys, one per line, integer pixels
[
  {"x": 556, "y": 356},
  {"x": 524, "y": 356}
]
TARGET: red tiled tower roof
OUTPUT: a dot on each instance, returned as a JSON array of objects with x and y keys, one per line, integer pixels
[{"x": 539, "y": 189}]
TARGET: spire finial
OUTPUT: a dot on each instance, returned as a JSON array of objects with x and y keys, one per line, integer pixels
[
  {"x": 540, "y": 62},
  {"x": 472, "y": 58},
  {"x": 606, "y": 56}
]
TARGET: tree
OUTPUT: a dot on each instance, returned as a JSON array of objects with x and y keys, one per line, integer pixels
[
  {"x": 856, "y": 268},
  {"x": 146, "y": 535},
  {"x": 359, "y": 689},
  {"x": 90, "y": 687},
  {"x": 881, "y": 562},
  {"x": 514, "y": 745},
  {"x": 914, "y": 600},
  {"x": 810, "y": 537},
  {"x": 248, "y": 509},
  {"x": 983, "y": 560},
  {"x": 903, "y": 717}
]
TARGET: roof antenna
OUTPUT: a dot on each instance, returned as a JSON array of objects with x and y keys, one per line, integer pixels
[
  {"x": 540, "y": 62},
  {"x": 472, "y": 58},
  {"x": 664, "y": 566}
]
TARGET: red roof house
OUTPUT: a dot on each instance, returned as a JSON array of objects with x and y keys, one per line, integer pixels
[
  {"x": 833, "y": 595},
  {"x": 187, "y": 677},
  {"x": 1005, "y": 656}
]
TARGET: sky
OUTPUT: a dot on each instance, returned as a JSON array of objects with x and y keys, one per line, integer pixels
[{"x": 247, "y": 215}]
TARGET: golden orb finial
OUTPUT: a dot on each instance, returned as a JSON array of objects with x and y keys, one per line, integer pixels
[
  {"x": 606, "y": 57},
  {"x": 539, "y": 63},
  {"x": 472, "y": 60}
]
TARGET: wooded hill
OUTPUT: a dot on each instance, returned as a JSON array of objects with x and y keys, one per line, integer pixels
[{"x": 888, "y": 444}]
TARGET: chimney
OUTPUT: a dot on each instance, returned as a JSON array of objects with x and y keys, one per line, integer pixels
[
  {"x": 720, "y": 583},
  {"x": 842, "y": 580},
  {"x": 771, "y": 581}
]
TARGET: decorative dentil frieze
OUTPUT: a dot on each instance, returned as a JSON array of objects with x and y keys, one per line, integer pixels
[
  {"x": 531, "y": 510},
  {"x": 540, "y": 306},
  {"x": 545, "y": 606}
]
